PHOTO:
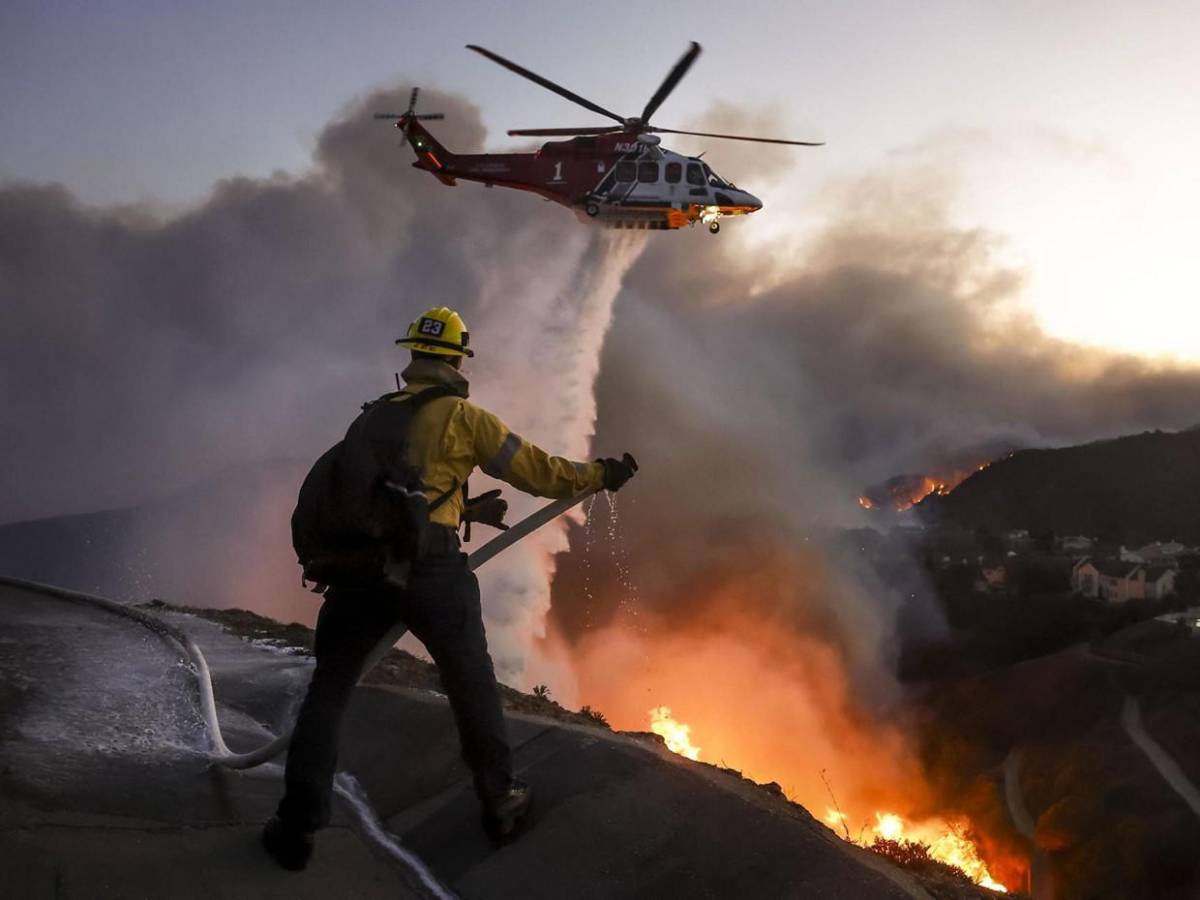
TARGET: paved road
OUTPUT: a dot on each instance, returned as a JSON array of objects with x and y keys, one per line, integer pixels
[
  {"x": 1173, "y": 775},
  {"x": 106, "y": 792},
  {"x": 1041, "y": 881},
  {"x": 1131, "y": 721}
]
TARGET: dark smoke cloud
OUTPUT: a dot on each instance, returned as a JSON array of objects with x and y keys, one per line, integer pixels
[
  {"x": 889, "y": 344},
  {"x": 139, "y": 354}
]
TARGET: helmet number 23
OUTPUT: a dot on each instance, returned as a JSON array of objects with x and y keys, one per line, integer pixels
[{"x": 432, "y": 327}]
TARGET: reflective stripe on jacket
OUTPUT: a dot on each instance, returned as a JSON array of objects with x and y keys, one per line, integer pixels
[{"x": 451, "y": 436}]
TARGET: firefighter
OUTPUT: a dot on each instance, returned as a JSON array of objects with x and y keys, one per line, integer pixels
[{"x": 448, "y": 438}]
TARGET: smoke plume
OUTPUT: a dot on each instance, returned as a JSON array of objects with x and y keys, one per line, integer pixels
[
  {"x": 763, "y": 388},
  {"x": 140, "y": 355}
]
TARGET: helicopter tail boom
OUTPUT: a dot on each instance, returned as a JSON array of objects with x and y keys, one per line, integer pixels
[{"x": 431, "y": 155}]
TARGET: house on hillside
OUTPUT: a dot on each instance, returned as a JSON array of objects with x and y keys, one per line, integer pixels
[
  {"x": 1018, "y": 539},
  {"x": 1118, "y": 581},
  {"x": 1075, "y": 544},
  {"x": 1085, "y": 578},
  {"x": 1157, "y": 554},
  {"x": 1130, "y": 556},
  {"x": 1162, "y": 554},
  {"x": 991, "y": 576},
  {"x": 1160, "y": 581}
]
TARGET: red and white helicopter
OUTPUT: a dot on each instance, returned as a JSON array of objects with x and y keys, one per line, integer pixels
[{"x": 616, "y": 174}]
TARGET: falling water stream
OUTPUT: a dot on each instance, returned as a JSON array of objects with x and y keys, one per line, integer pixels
[
  {"x": 618, "y": 554},
  {"x": 555, "y": 325}
]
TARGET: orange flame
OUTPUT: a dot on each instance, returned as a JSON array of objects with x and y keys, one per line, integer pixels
[
  {"x": 775, "y": 682},
  {"x": 676, "y": 734},
  {"x": 947, "y": 842},
  {"x": 906, "y": 491}
]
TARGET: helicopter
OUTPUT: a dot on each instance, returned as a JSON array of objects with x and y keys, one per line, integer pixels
[{"x": 618, "y": 175}]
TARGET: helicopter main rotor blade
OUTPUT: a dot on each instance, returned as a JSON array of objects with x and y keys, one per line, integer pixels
[
  {"x": 545, "y": 82},
  {"x": 412, "y": 99},
  {"x": 390, "y": 115},
  {"x": 739, "y": 137},
  {"x": 673, "y": 78},
  {"x": 558, "y": 132}
]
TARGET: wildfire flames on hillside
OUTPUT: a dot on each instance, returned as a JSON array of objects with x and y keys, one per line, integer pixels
[
  {"x": 742, "y": 682},
  {"x": 905, "y": 491},
  {"x": 946, "y": 842},
  {"x": 676, "y": 735}
]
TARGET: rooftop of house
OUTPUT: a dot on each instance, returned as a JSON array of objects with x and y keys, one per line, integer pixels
[{"x": 1115, "y": 568}]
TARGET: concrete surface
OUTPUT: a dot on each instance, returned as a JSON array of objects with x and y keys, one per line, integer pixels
[{"x": 105, "y": 790}]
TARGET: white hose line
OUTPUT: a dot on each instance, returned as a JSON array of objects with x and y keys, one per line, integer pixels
[
  {"x": 208, "y": 702},
  {"x": 526, "y": 526}
]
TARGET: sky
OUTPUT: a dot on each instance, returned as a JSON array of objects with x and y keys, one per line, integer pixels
[{"x": 1068, "y": 129}]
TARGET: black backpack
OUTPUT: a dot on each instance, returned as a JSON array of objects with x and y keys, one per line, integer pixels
[{"x": 362, "y": 515}]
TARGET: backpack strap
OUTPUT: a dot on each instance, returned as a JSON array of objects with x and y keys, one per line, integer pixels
[
  {"x": 466, "y": 496},
  {"x": 444, "y": 496},
  {"x": 419, "y": 399}
]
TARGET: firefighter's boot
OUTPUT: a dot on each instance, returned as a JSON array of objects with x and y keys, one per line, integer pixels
[
  {"x": 291, "y": 847},
  {"x": 505, "y": 816}
]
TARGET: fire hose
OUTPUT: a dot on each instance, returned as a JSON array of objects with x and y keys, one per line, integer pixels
[{"x": 220, "y": 752}]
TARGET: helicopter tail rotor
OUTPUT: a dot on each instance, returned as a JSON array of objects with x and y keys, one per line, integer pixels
[{"x": 410, "y": 115}]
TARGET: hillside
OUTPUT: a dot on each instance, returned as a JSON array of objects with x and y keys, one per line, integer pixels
[
  {"x": 1053, "y": 733},
  {"x": 223, "y": 542},
  {"x": 1132, "y": 489},
  {"x": 108, "y": 792}
]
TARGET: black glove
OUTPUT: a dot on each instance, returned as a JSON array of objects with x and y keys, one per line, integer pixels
[
  {"x": 618, "y": 471},
  {"x": 487, "y": 509}
]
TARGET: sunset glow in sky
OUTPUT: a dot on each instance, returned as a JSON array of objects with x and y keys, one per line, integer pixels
[{"x": 1068, "y": 130}]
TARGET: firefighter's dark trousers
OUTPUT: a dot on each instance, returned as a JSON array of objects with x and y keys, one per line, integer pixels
[{"x": 441, "y": 607}]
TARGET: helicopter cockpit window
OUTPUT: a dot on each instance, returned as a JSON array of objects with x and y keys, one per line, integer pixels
[
  {"x": 694, "y": 174},
  {"x": 647, "y": 172},
  {"x": 626, "y": 170},
  {"x": 715, "y": 180},
  {"x": 674, "y": 173}
]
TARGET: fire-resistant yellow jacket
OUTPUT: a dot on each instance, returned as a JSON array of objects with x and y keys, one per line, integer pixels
[{"x": 451, "y": 436}]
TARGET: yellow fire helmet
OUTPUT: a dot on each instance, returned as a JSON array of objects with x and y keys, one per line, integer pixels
[{"x": 439, "y": 330}]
